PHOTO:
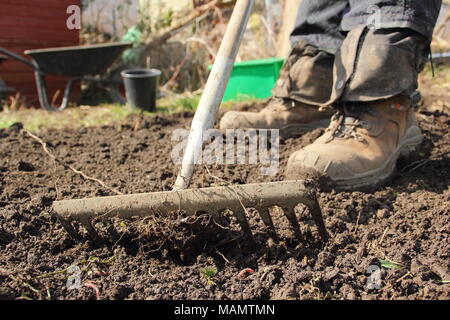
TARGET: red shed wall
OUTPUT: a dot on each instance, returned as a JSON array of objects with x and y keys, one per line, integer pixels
[{"x": 33, "y": 24}]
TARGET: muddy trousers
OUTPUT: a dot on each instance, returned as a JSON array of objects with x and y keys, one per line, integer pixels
[{"x": 357, "y": 50}]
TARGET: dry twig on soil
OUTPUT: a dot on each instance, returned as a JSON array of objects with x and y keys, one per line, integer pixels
[
  {"x": 223, "y": 257},
  {"x": 418, "y": 164},
  {"x": 82, "y": 174}
]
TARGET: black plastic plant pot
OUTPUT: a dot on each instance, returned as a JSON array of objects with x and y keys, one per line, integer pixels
[{"x": 141, "y": 86}]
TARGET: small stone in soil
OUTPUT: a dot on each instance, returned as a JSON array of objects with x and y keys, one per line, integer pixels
[
  {"x": 383, "y": 213},
  {"x": 26, "y": 167}
]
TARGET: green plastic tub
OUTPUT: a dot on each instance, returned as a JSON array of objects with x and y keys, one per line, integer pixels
[{"x": 253, "y": 79}]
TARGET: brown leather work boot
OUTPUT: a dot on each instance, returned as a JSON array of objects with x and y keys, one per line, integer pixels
[
  {"x": 290, "y": 116},
  {"x": 360, "y": 148}
]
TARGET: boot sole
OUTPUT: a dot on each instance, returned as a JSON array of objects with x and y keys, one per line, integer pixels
[{"x": 379, "y": 177}]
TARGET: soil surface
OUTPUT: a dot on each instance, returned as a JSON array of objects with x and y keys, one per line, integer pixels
[{"x": 406, "y": 223}]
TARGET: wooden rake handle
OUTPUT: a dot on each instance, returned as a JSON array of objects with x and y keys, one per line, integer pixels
[{"x": 208, "y": 107}]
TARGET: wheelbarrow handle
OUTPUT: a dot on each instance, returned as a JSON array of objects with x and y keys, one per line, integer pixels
[
  {"x": 42, "y": 86},
  {"x": 40, "y": 82},
  {"x": 14, "y": 56}
]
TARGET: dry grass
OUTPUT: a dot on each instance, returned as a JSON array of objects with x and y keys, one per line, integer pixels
[{"x": 87, "y": 116}]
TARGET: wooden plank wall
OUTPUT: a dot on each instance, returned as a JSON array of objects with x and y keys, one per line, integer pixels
[{"x": 33, "y": 24}]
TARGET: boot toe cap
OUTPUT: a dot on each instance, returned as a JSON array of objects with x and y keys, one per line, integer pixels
[
  {"x": 310, "y": 163},
  {"x": 233, "y": 120}
]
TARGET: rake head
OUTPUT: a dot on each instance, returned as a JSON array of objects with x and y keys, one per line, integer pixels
[{"x": 261, "y": 197}]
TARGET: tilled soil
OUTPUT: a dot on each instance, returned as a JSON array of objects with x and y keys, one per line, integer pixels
[{"x": 406, "y": 222}]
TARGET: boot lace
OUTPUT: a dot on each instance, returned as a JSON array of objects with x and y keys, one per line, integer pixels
[{"x": 347, "y": 120}]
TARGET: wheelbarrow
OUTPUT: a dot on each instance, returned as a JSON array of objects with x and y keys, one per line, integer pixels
[{"x": 80, "y": 63}]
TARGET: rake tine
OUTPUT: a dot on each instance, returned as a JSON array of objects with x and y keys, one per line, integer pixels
[
  {"x": 111, "y": 229},
  {"x": 316, "y": 213},
  {"x": 90, "y": 229},
  {"x": 267, "y": 219},
  {"x": 67, "y": 225},
  {"x": 290, "y": 215},
  {"x": 242, "y": 219}
]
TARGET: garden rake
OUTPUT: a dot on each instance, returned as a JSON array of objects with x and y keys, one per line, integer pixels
[{"x": 215, "y": 200}]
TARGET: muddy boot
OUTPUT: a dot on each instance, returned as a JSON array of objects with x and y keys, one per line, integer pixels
[
  {"x": 360, "y": 148},
  {"x": 290, "y": 116},
  {"x": 305, "y": 82}
]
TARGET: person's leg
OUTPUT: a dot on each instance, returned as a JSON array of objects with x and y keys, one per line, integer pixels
[
  {"x": 374, "y": 91},
  {"x": 319, "y": 24},
  {"x": 385, "y": 49},
  {"x": 307, "y": 75},
  {"x": 417, "y": 15},
  {"x": 306, "y": 78}
]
